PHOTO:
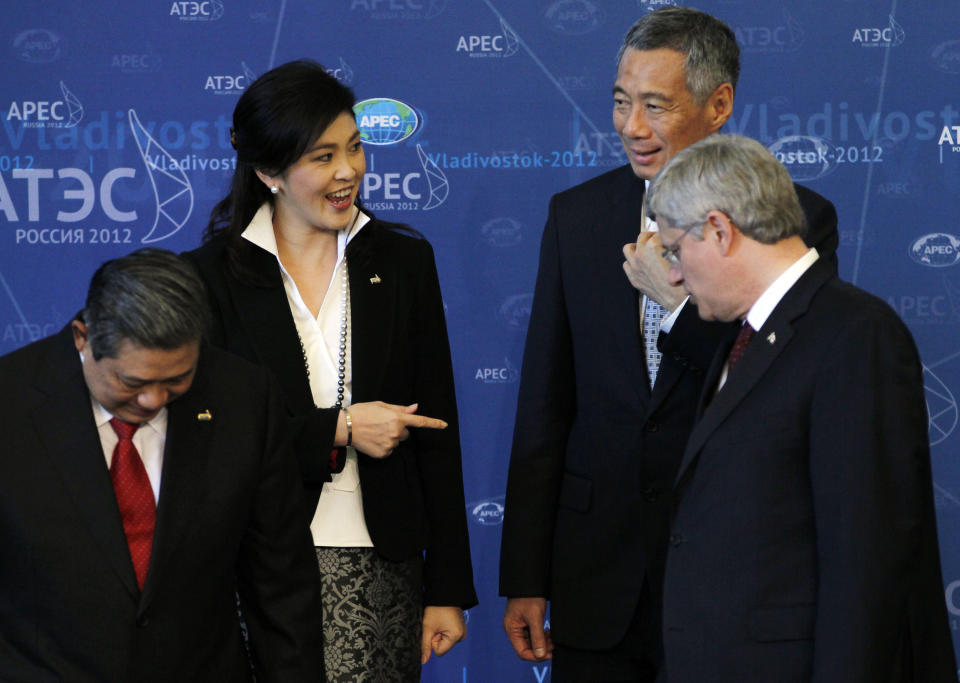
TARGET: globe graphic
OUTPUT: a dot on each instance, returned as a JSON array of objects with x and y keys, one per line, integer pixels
[
  {"x": 385, "y": 110},
  {"x": 937, "y": 250}
]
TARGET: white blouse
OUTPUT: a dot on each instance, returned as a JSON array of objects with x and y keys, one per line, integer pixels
[{"x": 338, "y": 520}]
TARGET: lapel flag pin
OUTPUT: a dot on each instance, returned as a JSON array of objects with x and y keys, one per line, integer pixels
[
  {"x": 772, "y": 337},
  {"x": 375, "y": 280},
  {"x": 205, "y": 416}
]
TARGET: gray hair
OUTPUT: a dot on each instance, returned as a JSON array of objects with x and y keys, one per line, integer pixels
[
  {"x": 732, "y": 174},
  {"x": 710, "y": 47},
  {"x": 152, "y": 298}
]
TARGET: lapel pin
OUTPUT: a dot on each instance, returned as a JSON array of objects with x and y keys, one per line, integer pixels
[
  {"x": 772, "y": 337},
  {"x": 375, "y": 280},
  {"x": 205, "y": 416}
]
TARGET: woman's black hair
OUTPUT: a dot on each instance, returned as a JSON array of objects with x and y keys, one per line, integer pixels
[{"x": 277, "y": 119}]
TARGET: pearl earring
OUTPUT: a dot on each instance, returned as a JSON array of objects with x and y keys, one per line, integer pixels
[{"x": 274, "y": 189}]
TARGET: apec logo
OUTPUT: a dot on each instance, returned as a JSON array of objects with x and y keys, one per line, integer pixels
[
  {"x": 806, "y": 157},
  {"x": 785, "y": 37},
  {"x": 946, "y": 57},
  {"x": 651, "y": 5},
  {"x": 929, "y": 308},
  {"x": 574, "y": 17},
  {"x": 508, "y": 374},
  {"x": 515, "y": 310},
  {"x": 37, "y": 46},
  {"x": 950, "y": 135},
  {"x": 192, "y": 10},
  {"x": 342, "y": 72},
  {"x": 953, "y": 603},
  {"x": 889, "y": 36},
  {"x": 487, "y": 513},
  {"x": 171, "y": 189},
  {"x": 226, "y": 84},
  {"x": 400, "y": 9},
  {"x": 383, "y": 121},
  {"x": 136, "y": 62},
  {"x": 936, "y": 250},
  {"x": 65, "y": 113},
  {"x": 404, "y": 190},
  {"x": 502, "y": 232},
  {"x": 504, "y": 45}
]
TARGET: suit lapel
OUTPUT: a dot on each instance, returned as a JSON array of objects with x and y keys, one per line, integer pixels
[
  {"x": 265, "y": 315},
  {"x": 69, "y": 437},
  {"x": 183, "y": 481},
  {"x": 615, "y": 226},
  {"x": 766, "y": 346},
  {"x": 374, "y": 283}
]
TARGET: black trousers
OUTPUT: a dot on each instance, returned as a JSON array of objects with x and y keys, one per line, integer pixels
[{"x": 637, "y": 658}]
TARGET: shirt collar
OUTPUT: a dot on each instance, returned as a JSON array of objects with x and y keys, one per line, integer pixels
[
  {"x": 260, "y": 231},
  {"x": 101, "y": 416},
  {"x": 763, "y": 307}
]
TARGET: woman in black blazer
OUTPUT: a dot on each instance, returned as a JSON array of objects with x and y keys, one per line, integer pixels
[{"x": 346, "y": 310}]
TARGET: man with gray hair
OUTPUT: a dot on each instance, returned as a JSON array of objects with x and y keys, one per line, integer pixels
[
  {"x": 143, "y": 490},
  {"x": 803, "y": 539},
  {"x": 612, "y": 372}
]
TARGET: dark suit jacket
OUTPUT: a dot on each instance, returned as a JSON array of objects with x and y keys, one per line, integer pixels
[
  {"x": 227, "y": 521},
  {"x": 804, "y": 543},
  {"x": 412, "y": 500},
  {"x": 595, "y": 452}
]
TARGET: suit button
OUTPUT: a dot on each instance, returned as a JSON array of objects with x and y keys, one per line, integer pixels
[
  {"x": 676, "y": 540},
  {"x": 143, "y": 621},
  {"x": 650, "y": 494},
  {"x": 651, "y": 426}
]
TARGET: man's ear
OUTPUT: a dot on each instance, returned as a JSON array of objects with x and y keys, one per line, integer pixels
[
  {"x": 719, "y": 107},
  {"x": 722, "y": 231},
  {"x": 79, "y": 335}
]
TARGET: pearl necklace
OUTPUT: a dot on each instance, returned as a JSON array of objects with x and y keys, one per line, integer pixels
[
  {"x": 342, "y": 351},
  {"x": 344, "y": 323},
  {"x": 344, "y": 315}
]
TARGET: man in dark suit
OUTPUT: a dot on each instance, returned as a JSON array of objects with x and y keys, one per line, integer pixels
[
  {"x": 803, "y": 542},
  {"x": 143, "y": 488},
  {"x": 601, "y": 418}
]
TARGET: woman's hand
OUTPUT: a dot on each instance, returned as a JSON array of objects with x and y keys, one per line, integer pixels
[
  {"x": 443, "y": 627},
  {"x": 379, "y": 427}
]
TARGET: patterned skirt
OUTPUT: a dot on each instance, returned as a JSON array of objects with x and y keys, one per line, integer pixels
[{"x": 372, "y": 616}]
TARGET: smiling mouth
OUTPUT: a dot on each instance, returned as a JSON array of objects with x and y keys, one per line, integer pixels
[{"x": 341, "y": 198}]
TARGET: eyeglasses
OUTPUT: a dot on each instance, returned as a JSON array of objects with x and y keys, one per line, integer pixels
[{"x": 672, "y": 253}]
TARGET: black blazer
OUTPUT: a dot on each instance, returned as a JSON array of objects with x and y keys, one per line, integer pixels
[
  {"x": 413, "y": 500},
  {"x": 804, "y": 542},
  {"x": 595, "y": 452},
  {"x": 228, "y": 520}
]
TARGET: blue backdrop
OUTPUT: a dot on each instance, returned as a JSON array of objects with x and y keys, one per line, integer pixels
[{"x": 115, "y": 121}]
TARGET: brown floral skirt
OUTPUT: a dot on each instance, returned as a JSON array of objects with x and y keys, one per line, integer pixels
[{"x": 372, "y": 616}]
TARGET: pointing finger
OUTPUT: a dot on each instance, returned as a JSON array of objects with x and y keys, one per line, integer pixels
[{"x": 424, "y": 422}]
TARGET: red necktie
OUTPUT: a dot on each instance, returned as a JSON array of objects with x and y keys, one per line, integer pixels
[
  {"x": 739, "y": 346},
  {"x": 134, "y": 497}
]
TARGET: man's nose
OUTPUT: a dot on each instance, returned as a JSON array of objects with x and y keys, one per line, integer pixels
[{"x": 152, "y": 398}]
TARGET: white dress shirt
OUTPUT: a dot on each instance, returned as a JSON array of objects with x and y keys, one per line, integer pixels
[
  {"x": 764, "y": 305},
  {"x": 149, "y": 440},
  {"x": 338, "y": 520}
]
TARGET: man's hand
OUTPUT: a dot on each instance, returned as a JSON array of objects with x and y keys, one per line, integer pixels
[
  {"x": 648, "y": 271},
  {"x": 523, "y": 622},
  {"x": 379, "y": 427},
  {"x": 443, "y": 628}
]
